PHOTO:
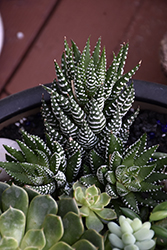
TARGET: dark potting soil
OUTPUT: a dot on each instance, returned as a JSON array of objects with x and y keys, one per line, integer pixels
[{"x": 150, "y": 122}]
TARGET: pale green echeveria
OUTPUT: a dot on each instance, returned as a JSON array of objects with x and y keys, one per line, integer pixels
[
  {"x": 131, "y": 234},
  {"x": 30, "y": 221},
  {"x": 92, "y": 205}
]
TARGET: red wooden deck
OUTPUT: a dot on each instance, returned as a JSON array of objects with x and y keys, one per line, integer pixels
[{"x": 27, "y": 61}]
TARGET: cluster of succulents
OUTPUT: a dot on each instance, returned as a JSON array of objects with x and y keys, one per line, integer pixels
[
  {"x": 131, "y": 234},
  {"x": 87, "y": 102},
  {"x": 30, "y": 220},
  {"x": 85, "y": 153}
]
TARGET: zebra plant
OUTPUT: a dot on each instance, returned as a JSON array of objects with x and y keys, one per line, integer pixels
[
  {"x": 88, "y": 101},
  {"x": 130, "y": 175}
]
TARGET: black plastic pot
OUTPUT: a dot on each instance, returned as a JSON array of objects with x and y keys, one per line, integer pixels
[{"x": 148, "y": 96}]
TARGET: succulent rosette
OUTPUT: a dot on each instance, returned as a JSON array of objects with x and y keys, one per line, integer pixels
[{"x": 92, "y": 205}]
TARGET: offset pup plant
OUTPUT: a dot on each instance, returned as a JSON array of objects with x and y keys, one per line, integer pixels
[
  {"x": 130, "y": 175},
  {"x": 88, "y": 101},
  {"x": 36, "y": 164}
]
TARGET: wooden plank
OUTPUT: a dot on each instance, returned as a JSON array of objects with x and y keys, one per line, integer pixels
[
  {"x": 26, "y": 17},
  {"x": 76, "y": 20},
  {"x": 145, "y": 34}
]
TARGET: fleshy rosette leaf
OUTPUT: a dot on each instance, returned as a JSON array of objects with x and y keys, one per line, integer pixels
[
  {"x": 30, "y": 220},
  {"x": 92, "y": 204}
]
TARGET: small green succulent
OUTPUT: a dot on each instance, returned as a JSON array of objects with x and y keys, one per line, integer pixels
[
  {"x": 41, "y": 165},
  {"x": 131, "y": 234},
  {"x": 41, "y": 223},
  {"x": 129, "y": 174},
  {"x": 92, "y": 206}
]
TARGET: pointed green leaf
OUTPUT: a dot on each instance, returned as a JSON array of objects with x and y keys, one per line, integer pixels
[
  {"x": 86, "y": 54},
  {"x": 96, "y": 161},
  {"x": 17, "y": 154},
  {"x": 121, "y": 189},
  {"x": 148, "y": 187},
  {"x": 96, "y": 119},
  {"x": 101, "y": 67},
  {"x": 55, "y": 161},
  {"x": 78, "y": 87},
  {"x": 115, "y": 160},
  {"x": 113, "y": 144},
  {"x": 68, "y": 128},
  {"x": 96, "y": 52},
  {"x": 86, "y": 137},
  {"x": 91, "y": 79},
  {"x": 145, "y": 172},
  {"x": 62, "y": 82},
  {"x": 77, "y": 113},
  {"x": 73, "y": 166},
  {"x": 130, "y": 201},
  {"x": 145, "y": 156},
  {"x": 16, "y": 171},
  {"x": 76, "y": 52},
  {"x": 28, "y": 153}
]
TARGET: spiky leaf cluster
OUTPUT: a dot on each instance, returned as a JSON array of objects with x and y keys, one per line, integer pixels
[
  {"x": 88, "y": 100},
  {"x": 44, "y": 167},
  {"x": 129, "y": 174}
]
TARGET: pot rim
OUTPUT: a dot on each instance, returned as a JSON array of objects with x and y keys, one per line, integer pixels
[{"x": 30, "y": 99}]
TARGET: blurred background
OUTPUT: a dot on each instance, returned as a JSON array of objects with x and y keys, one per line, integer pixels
[{"x": 32, "y": 34}]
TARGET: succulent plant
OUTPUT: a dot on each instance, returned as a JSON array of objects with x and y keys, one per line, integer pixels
[
  {"x": 129, "y": 174},
  {"x": 131, "y": 234},
  {"x": 158, "y": 218},
  {"x": 37, "y": 165},
  {"x": 87, "y": 102},
  {"x": 42, "y": 223},
  {"x": 92, "y": 206}
]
